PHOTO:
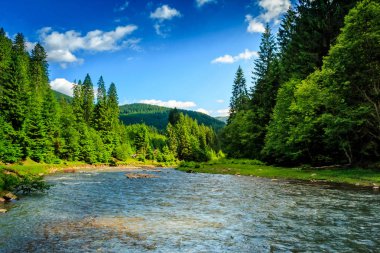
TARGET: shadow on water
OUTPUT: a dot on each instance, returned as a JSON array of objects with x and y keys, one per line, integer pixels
[{"x": 179, "y": 212}]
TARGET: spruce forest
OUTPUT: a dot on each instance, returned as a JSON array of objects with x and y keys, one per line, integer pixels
[
  {"x": 315, "y": 96},
  {"x": 33, "y": 124}
]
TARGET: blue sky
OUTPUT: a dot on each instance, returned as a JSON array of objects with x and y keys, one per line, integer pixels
[{"x": 173, "y": 53}]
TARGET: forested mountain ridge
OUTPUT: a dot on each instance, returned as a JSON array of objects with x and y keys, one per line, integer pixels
[
  {"x": 157, "y": 116},
  {"x": 58, "y": 95}
]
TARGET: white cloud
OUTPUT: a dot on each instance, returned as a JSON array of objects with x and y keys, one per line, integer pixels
[
  {"x": 165, "y": 13},
  {"x": 200, "y": 3},
  {"x": 273, "y": 9},
  {"x": 246, "y": 55},
  {"x": 220, "y": 101},
  {"x": 157, "y": 28},
  {"x": 224, "y": 59},
  {"x": 122, "y": 7},
  {"x": 170, "y": 103},
  {"x": 204, "y": 111},
  {"x": 63, "y": 86},
  {"x": 30, "y": 45},
  {"x": 254, "y": 25},
  {"x": 223, "y": 112},
  {"x": 61, "y": 47}
]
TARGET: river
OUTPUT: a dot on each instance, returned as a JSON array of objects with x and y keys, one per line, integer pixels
[{"x": 180, "y": 212}]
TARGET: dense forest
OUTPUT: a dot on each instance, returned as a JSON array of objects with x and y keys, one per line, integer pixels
[
  {"x": 158, "y": 116},
  {"x": 315, "y": 96},
  {"x": 40, "y": 124}
]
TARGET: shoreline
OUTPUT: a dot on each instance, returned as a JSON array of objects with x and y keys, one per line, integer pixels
[
  {"x": 30, "y": 168},
  {"x": 352, "y": 177}
]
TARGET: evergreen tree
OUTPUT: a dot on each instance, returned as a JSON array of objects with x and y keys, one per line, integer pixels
[
  {"x": 174, "y": 116},
  {"x": 239, "y": 97},
  {"x": 39, "y": 79},
  {"x": 15, "y": 92},
  {"x": 78, "y": 101},
  {"x": 113, "y": 106},
  {"x": 88, "y": 99},
  {"x": 101, "y": 118}
]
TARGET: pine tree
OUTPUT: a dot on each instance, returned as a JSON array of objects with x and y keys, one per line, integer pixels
[
  {"x": 101, "y": 119},
  {"x": 173, "y": 116},
  {"x": 239, "y": 97},
  {"x": 15, "y": 92},
  {"x": 113, "y": 106},
  {"x": 39, "y": 79},
  {"x": 88, "y": 100},
  {"x": 78, "y": 101}
]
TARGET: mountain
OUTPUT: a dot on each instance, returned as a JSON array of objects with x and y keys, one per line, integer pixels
[
  {"x": 157, "y": 116},
  {"x": 223, "y": 119},
  {"x": 59, "y": 96}
]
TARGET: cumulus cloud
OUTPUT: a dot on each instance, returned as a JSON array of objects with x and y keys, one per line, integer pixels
[
  {"x": 223, "y": 112},
  {"x": 170, "y": 103},
  {"x": 254, "y": 26},
  {"x": 165, "y": 13},
  {"x": 204, "y": 111},
  {"x": 246, "y": 55},
  {"x": 61, "y": 47},
  {"x": 162, "y": 14},
  {"x": 272, "y": 10},
  {"x": 30, "y": 45},
  {"x": 200, "y": 3},
  {"x": 63, "y": 86}
]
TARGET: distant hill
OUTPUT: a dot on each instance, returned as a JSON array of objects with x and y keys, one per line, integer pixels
[
  {"x": 60, "y": 96},
  {"x": 223, "y": 119},
  {"x": 157, "y": 116}
]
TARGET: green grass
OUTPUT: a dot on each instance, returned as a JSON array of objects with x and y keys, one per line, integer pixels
[{"x": 358, "y": 176}]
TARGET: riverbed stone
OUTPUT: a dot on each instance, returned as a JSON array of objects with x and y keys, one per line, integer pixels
[
  {"x": 10, "y": 196},
  {"x": 135, "y": 176},
  {"x": 3, "y": 210},
  {"x": 2, "y": 200}
]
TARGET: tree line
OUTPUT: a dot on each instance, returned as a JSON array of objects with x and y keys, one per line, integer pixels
[
  {"x": 315, "y": 97},
  {"x": 35, "y": 125}
]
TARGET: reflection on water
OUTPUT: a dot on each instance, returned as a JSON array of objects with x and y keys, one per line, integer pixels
[{"x": 179, "y": 212}]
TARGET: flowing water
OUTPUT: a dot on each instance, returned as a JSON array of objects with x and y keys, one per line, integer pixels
[{"x": 179, "y": 212}]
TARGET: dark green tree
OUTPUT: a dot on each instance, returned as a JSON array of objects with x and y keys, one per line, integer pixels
[
  {"x": 239, "y": 99},
  {"x": 88, "y": 99}
]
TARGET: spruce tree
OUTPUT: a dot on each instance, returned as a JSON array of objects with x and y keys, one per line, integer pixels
[
  {"x": 15, "y": 92},
  {"x": 101, "y": 119},
  {"x": 113, "y": 106},
  {"x": 239, "y": 97},
  {"x": 88, "y": 99}
]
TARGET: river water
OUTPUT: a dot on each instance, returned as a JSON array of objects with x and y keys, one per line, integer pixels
[{"x": 179, "y": 212}]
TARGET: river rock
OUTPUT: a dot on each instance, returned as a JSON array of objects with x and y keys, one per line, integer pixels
[
  {"x": 10, "y": 196},
  {"x": 69, "y": 171},
  {"x": 2, "y": 200},
  {"x": 3, "y": 210},
  {"x": 135, "y": 176}
]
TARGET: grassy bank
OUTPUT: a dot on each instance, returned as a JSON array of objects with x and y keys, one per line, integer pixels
[
  {"x": 11, "y": 173},
  {"x": 355, "y": 176}
]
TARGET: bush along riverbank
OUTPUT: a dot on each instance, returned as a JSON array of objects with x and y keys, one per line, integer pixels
[{"x": 243, "y": 167}]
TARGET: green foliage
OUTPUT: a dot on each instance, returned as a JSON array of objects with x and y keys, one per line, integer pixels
[
  {"x": 190, "y": 141},
  {"x": 239, "y": 99}
]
